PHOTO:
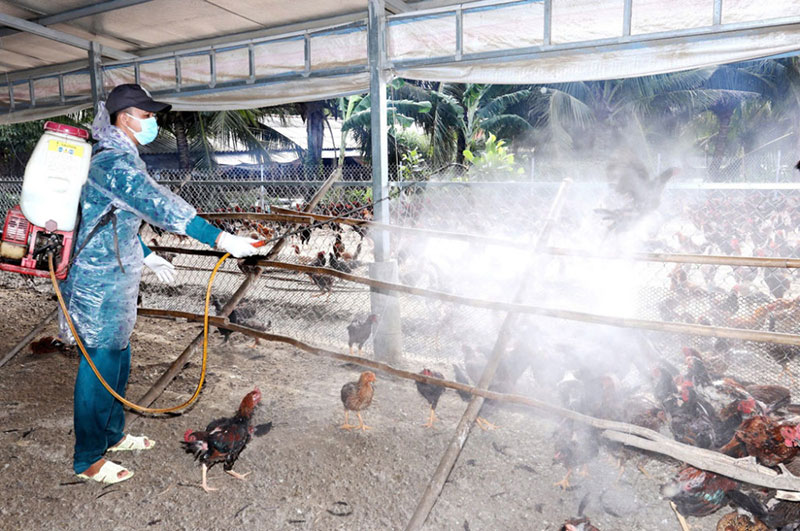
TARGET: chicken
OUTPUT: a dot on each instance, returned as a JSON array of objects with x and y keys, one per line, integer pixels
[
  {"x": 323, "y": 282},
  {"x": 339, "y": 265},
  {"x": 471, "y": 375},
  {"x": 305, "y": 235},
  {"x": 576, "y": 445},
  {"x": 694, "y": 419},
  {"x": 782, "y": 354},
  {"x": 578, "y": 524},
  {"x": 302, "y": 259},
  {"x": 248, "y": 265},
  {"x": 766, "y": 440},
  {"x": 732, "y": 415},
  {"x": 242, "y": 316},
  {"x": 700, "y": 493},
  {"x": 223, "y": 439},
  {"x": 344, "y": 262},
  {"x": 651, "y": 418},
  {"x": 766, "y": 398},
  {"x": 739, "y": 522},
  {"x": 779, "y": 282},
  {"x": 358, "y": 333},
  {"x": 698, "y": 372},
  {"x": 264, "y": 233},
  {"x": 339, "y": 249},
  {"x": 357, "y": 396},
  {"x": 641, "y": 193},
  {"x": 784, "y": 515},
  {"x": 50, "y": 344},
  {"x": 431, "y": 393}
]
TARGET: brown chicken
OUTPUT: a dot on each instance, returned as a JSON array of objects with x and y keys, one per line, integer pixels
[
  {"x": 739, "y": 522},
  {"x": 766, "y": 440},
  {"x": 223, "y": 439},
  {"x": 357, "y": 396},
  {"x": 49, "y": 344}
]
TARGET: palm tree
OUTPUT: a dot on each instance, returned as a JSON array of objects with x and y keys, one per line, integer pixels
[
  {"x": 400, "y": 113},
  {"x": 735, "y": 85},
  {"x": 463, "y": 115},
  {"x": 192, "y": 134}
]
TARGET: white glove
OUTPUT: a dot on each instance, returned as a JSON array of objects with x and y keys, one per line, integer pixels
[
  {"x": 163, "y": 269},
  {"x": 238, "y": 246}
]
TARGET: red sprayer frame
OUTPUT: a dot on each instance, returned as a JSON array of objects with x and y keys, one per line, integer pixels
[{"x": 17, "y": 230}]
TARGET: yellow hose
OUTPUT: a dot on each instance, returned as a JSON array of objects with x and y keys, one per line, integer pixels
[{"x": 100, "y": 377}]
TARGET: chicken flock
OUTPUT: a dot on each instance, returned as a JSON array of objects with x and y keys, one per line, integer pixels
[{"x": 697, "y": 401}]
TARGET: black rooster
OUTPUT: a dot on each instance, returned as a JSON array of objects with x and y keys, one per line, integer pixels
[
  {"x": 358, "y": 333},
  {"x": 431, "y": 393},
  {"x": 223, "y": 439}
]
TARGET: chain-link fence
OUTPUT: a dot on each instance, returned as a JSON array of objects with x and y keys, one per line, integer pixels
[{"x": 502, "y": 222}]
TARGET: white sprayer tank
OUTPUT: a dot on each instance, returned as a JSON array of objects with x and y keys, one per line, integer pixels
[{"x": 54, "y": 176}]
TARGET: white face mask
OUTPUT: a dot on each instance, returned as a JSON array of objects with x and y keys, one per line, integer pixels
[{"x": 149, "y": 130}]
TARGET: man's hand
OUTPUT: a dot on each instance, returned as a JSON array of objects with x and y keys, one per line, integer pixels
[
  {"x": 163, "y": 269},
  {"x": 238, "y": 246}
]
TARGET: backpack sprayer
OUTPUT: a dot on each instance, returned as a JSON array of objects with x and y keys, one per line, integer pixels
[
  {"x": 39, "y": 234},
  {"x": 46, "y": 218}
]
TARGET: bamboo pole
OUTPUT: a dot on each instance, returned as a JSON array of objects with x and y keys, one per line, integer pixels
[
  {"x": 28, "y": 338},
  {"x": 745, "y": 470},
  {"x": 620, "y": 322},
  {"x": 161, "y": 384}
]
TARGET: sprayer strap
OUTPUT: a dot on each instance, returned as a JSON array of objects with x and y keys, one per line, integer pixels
[{"x": 111, "y": 216}]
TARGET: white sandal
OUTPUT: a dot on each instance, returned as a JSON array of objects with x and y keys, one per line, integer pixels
[
  {"x": 131, "y": 442},
  {"x": 109, "y": 474}
]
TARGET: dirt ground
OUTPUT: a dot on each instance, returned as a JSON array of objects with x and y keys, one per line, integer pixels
[{"x": 306, "y": 473}]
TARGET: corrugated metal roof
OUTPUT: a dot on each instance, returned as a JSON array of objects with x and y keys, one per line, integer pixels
[{"x": 154, "y": 23}]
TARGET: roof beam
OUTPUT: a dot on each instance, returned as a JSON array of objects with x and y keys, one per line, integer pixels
[
  {"x": 79, "y": 12},
  {"x": 275, "y": 31},
  {"x": 396, "y": 6},
  {"x": 59, "y": 36},
  {"x": 422, "y": 5}
]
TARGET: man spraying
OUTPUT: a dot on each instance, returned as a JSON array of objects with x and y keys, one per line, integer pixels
[{"x": 103, "y": 284}]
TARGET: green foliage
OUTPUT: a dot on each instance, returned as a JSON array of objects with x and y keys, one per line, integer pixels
[
  {"x": 494, "y": 163},
  {"x": 412, "y": 166}
]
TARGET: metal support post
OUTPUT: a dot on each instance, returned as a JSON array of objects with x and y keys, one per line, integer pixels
[
  {"x": 96, "y": 73},
  {"x": 387, "y": 341},
  {"x": 380, "y": 156}
]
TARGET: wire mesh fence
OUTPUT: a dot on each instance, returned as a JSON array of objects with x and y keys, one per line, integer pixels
[{"x": 475, "y": 240}]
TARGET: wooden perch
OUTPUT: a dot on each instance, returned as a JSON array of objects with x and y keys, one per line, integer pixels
[
  {"x": 621, "y": 322},
  {"x": 294, "y": 217},
  {"x": 748, "y": 261},
  {"x": 745, "y": 470}
]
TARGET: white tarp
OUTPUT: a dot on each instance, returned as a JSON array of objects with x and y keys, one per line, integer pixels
[
  {"x": 515, "y": 25},
  {"x": 586, "y": 37}
]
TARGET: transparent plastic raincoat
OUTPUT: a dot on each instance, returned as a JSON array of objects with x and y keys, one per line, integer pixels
[{"x": 103, "y": 282}]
